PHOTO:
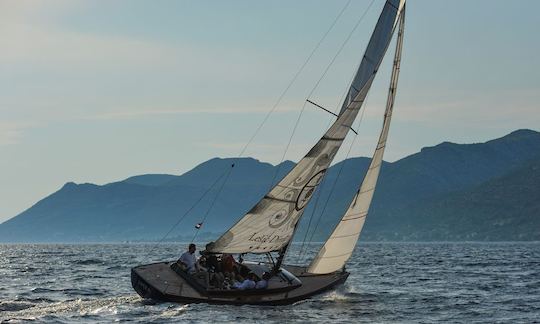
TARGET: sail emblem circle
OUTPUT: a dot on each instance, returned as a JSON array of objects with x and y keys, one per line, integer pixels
[
  {"x": 309, "y": 188},
  {"x": 279, "y": 218}
]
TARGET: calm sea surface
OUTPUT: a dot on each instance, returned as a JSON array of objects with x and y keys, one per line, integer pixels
[{"x": 389, "y": 282}]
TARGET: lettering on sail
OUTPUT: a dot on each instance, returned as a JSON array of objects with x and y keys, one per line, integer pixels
[{"x": 268, "y": 238}]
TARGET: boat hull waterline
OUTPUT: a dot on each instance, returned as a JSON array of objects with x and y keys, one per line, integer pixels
[{"x": 159, "y": 282}]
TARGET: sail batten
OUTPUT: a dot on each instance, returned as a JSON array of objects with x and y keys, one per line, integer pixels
[
  {"x": 332, "y": 256},
  {"x": 270, "y": 224}
]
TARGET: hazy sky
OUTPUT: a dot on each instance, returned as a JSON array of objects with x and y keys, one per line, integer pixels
[{"x": 97, "y": 91}]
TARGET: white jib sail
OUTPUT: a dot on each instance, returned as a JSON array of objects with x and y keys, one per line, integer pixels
[
  {"x": 270, "y": 224},
  {"x": 341, "y": 243}
]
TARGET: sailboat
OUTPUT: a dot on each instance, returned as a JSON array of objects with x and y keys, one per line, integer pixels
[{"x": 269, "y": 226}]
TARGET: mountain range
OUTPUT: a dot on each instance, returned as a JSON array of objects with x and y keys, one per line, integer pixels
[{"x": 449, "y": 192}]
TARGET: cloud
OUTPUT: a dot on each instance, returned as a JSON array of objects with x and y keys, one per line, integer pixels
[
  {"x": 115, "y": 114},
  {"x": 30, "y": 33},
  {"x": 101, "y": 76},
  {"x": 11, "y": 133},
  {"x": 17, "y": 10},
  {"x": 28, "y": 43},
  {"x": 480, "y": 109}
]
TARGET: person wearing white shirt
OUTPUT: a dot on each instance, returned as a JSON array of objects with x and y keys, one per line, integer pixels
[{"x": 189, "y": 260}]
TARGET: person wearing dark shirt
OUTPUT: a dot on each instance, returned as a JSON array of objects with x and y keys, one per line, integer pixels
[{"x": 228, "y": 263}]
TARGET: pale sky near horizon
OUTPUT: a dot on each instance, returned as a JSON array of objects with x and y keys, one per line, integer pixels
[{"x": 97, "y": 91}]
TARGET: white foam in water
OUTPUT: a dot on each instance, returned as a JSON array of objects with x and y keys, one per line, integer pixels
[
  {"x": 102, "y": 306},
  {"x": 337, "y": 294},
  {"x": 174, "y": 310}
]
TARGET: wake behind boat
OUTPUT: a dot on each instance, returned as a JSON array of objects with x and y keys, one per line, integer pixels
[{"x": 268, "y": 228}]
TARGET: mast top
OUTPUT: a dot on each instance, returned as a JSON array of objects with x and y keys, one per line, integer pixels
[{"x": 269, "y": 226}]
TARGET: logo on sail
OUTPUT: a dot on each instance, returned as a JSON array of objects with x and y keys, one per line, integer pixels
[{"x": 309, "y": 189}]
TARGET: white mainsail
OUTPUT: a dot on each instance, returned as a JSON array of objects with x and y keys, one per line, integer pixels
[
  {"x": 270, "y": 224},
  {"x": 341, "y": 243}
]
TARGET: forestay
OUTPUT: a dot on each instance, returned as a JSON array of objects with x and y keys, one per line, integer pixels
[
  {"x": 270, "y": 224},
  {"x": 340, "y": 245}
]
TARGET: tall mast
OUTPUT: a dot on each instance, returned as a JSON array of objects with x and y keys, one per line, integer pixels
[
  {"x": 270, "y": 224},
  {"x": 339, "y": 247}
]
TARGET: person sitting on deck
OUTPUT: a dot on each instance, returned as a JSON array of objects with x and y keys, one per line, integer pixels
[
  {"x": 210, "y": 264},
  {"x": 188, "y": 262},
  {"x": 227, "y": 263},
  {"x": 263, "y": 283},
  {"x": 213, "y": 263},
  {"x": 188, "y": 259},
  {"x": 248, "y": 283}
]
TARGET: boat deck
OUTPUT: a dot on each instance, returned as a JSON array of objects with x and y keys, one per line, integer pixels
[{"x": 159, "y": 282}]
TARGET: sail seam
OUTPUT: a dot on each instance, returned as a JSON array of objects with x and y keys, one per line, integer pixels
[
  {"x": 336, "y": 139},
  {"x": 361, "y": 192},
  {"x": 336, "y": 256},
  {"x": 360, "y": 213},
  {"x": 369, "y": 60},
  {"x": 353, "y": 218},
  {"x": 391, "y": 5},
  {"x": 342, "y": 236},
  {"x": 285, "y": 187},
  {"x": 375, "y": 166},
  {"x": 282, "y": 200}
]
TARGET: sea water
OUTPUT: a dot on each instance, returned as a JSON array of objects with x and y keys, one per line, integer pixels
[{"x": 389, "y": 282}]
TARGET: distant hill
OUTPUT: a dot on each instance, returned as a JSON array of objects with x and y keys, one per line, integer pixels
[
  {"x": 143, "y": 207},
  {"x": 506, "y": 208},
  {"x": 434, "y": 172},
  {"x": 486, "y": 191}
]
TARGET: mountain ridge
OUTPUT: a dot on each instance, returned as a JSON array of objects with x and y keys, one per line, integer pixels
[{"x": 143, "y": 207}]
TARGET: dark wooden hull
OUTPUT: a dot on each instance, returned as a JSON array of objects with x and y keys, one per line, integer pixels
[{"x": 159, "y": 282}]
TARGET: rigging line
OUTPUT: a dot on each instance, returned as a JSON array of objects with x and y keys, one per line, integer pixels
[
  {"x": 242, "y": 152},
  {"x": 339, "y": 172},
  {"x": 338, "y": 176},
  {"x": 353, "y": 74},
  {"x": 294, "y": 79},
  {"x": 190, "y": 209},
  {"x": 361, "y": 118},
  {"x": 319, "y": 106},
  {"x": 316, "y": 206},
  {"x": 288, "y": 145},
  {"x": 213, "y": 202},
  {"x": 341, "y": 48},
  {"x": 315, "y": 88},
  {"x": 323, "y": 183},
  {"x": 300, "y": 251},
  {"x": 280, "y": 98},
  {"x": 342, "y": 98}
]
